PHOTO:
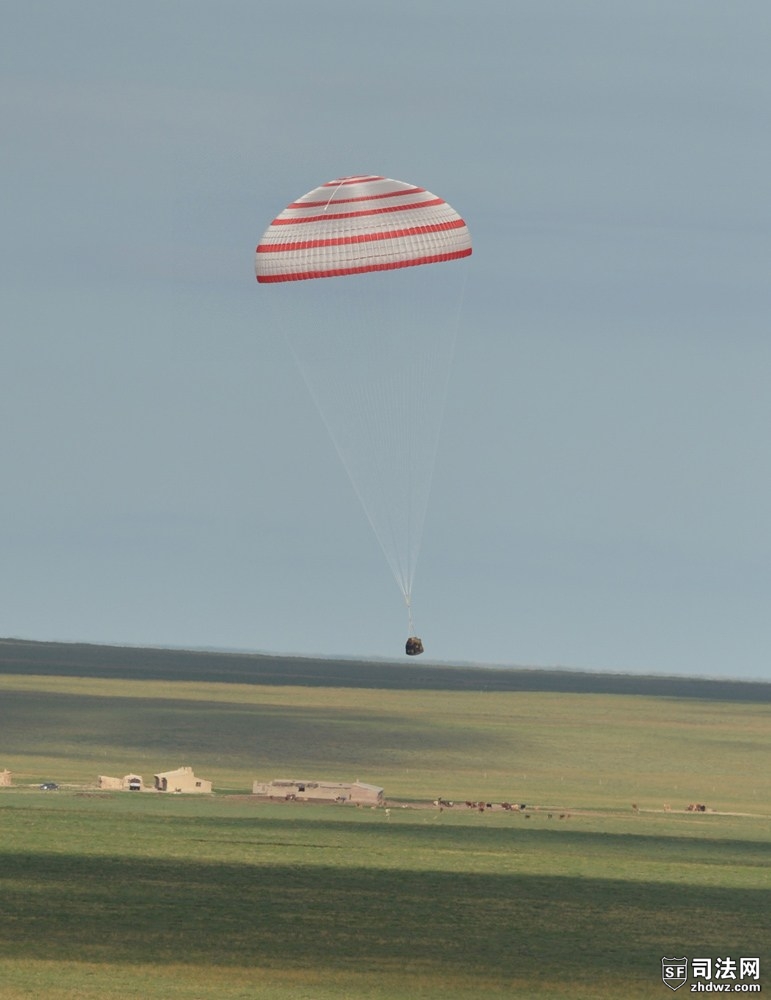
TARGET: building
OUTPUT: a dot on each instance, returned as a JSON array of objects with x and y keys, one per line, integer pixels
[
  {"x": 128, "y": 783},
  {"x": 181, "y": 780},
  {"x": 357, "y": 792}
]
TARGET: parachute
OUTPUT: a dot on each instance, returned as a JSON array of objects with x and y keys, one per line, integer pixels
[{"x": 375, "y": 343}]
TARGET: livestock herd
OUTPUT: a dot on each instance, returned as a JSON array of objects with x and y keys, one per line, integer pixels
[
  {"x": 521, "y": 807},
  {"x": 482, "y": 806}
]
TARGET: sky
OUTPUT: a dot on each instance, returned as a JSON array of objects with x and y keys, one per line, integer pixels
[{"x": 602, "y": 490}]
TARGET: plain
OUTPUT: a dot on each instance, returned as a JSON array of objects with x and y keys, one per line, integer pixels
[{"x": 581, "y": 893}]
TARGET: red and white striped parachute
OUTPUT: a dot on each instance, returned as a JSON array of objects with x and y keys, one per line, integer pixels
[
  {"x": 375, "y": 350},
  {"x": 354, "y": 225}
]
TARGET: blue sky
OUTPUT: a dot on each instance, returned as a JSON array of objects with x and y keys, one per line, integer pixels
[{"x": 602, "y": 493}]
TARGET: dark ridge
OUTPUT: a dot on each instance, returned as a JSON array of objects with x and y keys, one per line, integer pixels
[{"x": 64, "y": 659}]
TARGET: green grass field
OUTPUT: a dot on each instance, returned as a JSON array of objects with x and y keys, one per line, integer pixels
[{"x": 118, "y": 895}]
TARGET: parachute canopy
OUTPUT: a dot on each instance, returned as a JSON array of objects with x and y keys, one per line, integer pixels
[{"x": 356, "y": 225}]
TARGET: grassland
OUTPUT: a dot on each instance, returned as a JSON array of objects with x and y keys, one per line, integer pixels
[{"x": 125, "y": 895}]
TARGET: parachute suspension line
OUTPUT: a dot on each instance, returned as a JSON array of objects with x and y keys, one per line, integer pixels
[
  {"x": 378, "y": 369},
  {"x": 370, "y": 405},
  {"x": 418, "y": 418},
  {"x": 410, "y": 620}
]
